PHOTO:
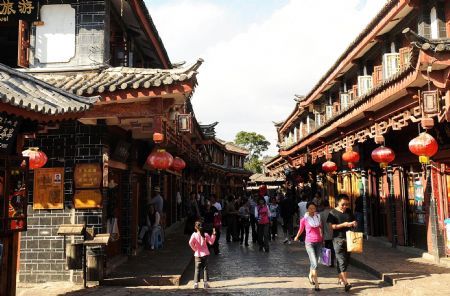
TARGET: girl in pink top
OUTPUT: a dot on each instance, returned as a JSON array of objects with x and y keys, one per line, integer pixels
[
  {"x": 313, "y": 241},
  {"x": 199, "y": 244}
]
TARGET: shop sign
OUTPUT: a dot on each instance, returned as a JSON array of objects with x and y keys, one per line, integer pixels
[
  {"x": 87, "y": 199},
  {"x": 9, "y": 125},
  {"x": 13, "y": 195},
  {"x": 88, "y": 175},
  {"x": 88, "y": 180},
  {"x": 13, "y": 10},
  {"x": 48, "y": 188}
]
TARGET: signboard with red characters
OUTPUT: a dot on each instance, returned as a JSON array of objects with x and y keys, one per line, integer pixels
[{"x": 13, "y": 194}]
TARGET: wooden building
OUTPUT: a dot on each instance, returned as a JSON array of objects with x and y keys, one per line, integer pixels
[
  {"x": 112, "y": 53},
  {"x": 392, "y": 78},
  {"x": 26, "y": 105}
]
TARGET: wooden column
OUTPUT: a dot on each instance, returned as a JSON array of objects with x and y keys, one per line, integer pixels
[{"x": 8, "y": 269}]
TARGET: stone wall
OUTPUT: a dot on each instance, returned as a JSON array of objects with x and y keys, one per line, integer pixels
[{"x": 42, "y": 250}]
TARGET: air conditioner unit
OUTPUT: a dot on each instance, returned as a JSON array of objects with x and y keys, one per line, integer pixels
[
  {"x": 364, "y": 85},
  {"x": 391, "y": 65},
  {"x": 329, "y": 111},
  {"x": 345, "y": 101}
]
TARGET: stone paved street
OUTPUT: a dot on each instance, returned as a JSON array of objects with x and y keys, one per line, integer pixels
[{"x": 246, "y": 271}]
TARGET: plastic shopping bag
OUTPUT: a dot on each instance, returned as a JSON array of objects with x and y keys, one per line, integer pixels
[
  {"x": 354, "y": 241},
  {"x": 325, "y": 257}
]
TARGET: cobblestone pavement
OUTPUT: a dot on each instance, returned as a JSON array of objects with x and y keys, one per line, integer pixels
[{"x": 246, "y": 271}]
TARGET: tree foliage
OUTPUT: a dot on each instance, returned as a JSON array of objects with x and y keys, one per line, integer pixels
[{"x": 256, "y": 144}]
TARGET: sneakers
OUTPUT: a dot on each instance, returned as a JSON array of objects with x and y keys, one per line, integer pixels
[
  {"x": 206, "y": 285},
  {"x": 285, "y": 240},
  {"x": 195, "y": 286}
]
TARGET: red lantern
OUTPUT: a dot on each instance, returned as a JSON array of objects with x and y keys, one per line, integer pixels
[
  {"x": 37, "y": 158},
  {"x": 178, "y": 164},
  {"x": 329, "y": 166},
  {"x": 158, "y": 138},
  {"x": 350, "y": 157},
  {"x": 160, "y": 159},
  {"x": 424, "y": 146},
  {"x": 383, "y": 155}
]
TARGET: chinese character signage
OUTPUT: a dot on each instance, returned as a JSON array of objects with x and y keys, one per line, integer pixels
[
  {"x": 13, "y": 194},
  {"x": 9, "y": 125},
  {"x": 48, "y": 188},
  {"x": 13, "y": 10},
  {"x": 88, "y": 175},
  {"x": 88, "y": 180}
]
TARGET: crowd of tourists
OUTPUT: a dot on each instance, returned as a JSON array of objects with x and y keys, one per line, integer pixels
[{"x": 256, "y": 217}]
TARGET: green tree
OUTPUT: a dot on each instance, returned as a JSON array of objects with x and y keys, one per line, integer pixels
[
  {"x": 256, "y": 144},
  {"x": 254, "y": 165}
]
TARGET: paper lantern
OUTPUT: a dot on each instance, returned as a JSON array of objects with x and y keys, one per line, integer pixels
[
  {"x": 160, "y": 159},
  {"x": 350, "y": 157},
  {"x": 178, "y": 164},
  {"x": 158, "y": 138},
  {"x": 383, "y": 155},
  {"x": 424, "y": 146},
  {"x": 329, "y": 166},
  {"x": 37, "y": 159}
]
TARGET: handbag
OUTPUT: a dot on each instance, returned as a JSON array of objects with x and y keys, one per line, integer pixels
[
  {"x": 354, "y": 241},
  {"x": 325, "y": 257},
  {"x": 217, "y": 222}
]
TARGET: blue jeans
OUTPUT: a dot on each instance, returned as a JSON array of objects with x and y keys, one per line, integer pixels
[{"x": 313, "y": 250}]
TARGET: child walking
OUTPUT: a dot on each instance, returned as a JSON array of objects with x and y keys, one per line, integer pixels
[{"x": 199, "y": 244}]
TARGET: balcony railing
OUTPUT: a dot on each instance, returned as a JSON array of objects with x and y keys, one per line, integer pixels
[{"x": 393, "y": 64}]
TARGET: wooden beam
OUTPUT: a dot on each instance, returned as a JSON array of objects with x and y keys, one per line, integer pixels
[{"x": 184, "y": 89}]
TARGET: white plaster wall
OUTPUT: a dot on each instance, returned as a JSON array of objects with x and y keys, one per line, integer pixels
[{"x": 55, "y": 40}]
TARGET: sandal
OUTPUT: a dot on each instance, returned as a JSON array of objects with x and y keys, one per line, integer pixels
[
  {"x": 311, "y": 281},
  {"x": 347, "y": 287}
]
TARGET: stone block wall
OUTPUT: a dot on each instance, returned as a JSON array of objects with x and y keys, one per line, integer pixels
[{"x": 42, "y": 250}]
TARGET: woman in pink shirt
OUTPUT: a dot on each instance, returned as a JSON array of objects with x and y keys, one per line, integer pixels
[
  {"x": 310, "y": 223},
  {"x": 199, "y": 244}
]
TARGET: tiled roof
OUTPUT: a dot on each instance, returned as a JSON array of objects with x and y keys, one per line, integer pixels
[
  {"x": 26, "y": 92},
  {"x": 235, "y": 148},
  {"x": 119, "y": 78},
  {"x": 265, "y": 179}
]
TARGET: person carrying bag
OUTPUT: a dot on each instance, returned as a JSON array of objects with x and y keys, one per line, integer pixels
[{"x": 354, "y": 242}]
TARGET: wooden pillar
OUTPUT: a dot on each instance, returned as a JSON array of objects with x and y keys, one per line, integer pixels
[{"x": 8, "y": 266}]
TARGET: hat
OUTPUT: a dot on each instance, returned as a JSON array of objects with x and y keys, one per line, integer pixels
[{"x": 156, "y": 189}]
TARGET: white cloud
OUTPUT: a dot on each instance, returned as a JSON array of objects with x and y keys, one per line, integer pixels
[{"x": 252, "y": 70}]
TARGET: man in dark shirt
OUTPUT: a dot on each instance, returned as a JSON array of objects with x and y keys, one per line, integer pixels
[{"x": 341, "y": 220}]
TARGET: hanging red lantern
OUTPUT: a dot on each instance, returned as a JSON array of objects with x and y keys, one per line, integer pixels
[
  {"x": 158, "y": 138},
  {"x": 329, "y": 166},
  {"x": 383, "y": 155},
  {"x": 424, "y": 146},
  {"x": 178, "y": 164},
  {"x": 350, "y": 157},
  {"x": 160, "y": 159},
  {"x": 37, "y": 159}
]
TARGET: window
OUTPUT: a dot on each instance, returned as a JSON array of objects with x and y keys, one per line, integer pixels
[
  {"x": 364, "y": 85},
  {"x": 318, "y": 119},
  {"x": 391, "y": 65},
  {"x": 345, "y": 101},
  {"x": 329, "y": 111}
]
